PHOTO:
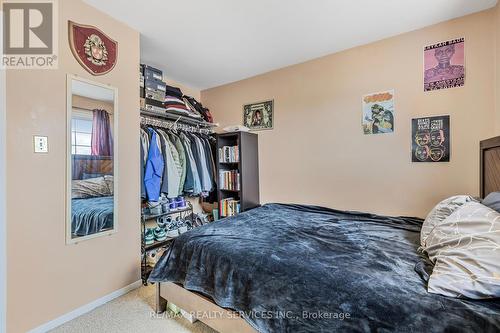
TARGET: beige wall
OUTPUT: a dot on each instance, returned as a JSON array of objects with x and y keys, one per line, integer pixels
[
  {"x": 90, "y": 104},
  {"x": 46, "y": 277},
  {"x": 496, "y": 34},
  {"x": 185, "y": 89},
  {"x": 317, "y": 153}
]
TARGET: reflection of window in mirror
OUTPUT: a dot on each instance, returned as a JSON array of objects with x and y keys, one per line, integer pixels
[
  {"x": 92, "y": 179},
  {"x": 81, "y": 132}
]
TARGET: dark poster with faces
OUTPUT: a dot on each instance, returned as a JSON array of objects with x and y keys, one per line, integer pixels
[{"x": 430, "y": 139}]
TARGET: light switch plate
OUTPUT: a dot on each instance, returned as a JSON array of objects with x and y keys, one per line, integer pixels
[{"x": 41, "y": 144}]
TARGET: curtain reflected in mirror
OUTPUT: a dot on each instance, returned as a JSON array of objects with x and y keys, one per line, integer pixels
[{"x": 92, "y": 114}]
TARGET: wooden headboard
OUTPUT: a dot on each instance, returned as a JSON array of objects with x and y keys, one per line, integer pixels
[
  {"x": 489, "y": 166},
  {"x": 92, "y": 165}
]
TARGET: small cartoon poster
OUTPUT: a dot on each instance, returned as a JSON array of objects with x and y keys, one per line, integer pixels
[
  {"x": 430, "y": 139},
  {"x": 378, "y": 112},
  {"x": 444, "y": 65}
]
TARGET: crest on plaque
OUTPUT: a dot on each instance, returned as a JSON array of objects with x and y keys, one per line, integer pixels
[{"x": 92, "y": 48}]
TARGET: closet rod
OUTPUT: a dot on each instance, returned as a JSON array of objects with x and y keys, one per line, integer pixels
[{"x": 174, "y": 125}]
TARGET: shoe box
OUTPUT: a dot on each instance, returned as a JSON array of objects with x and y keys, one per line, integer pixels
[
  {"x": 152, "y": 105},
  {"x": 151, "y": 73},
  {"x": 155, "y": 90},
  {"x": 152, "y": 86}
]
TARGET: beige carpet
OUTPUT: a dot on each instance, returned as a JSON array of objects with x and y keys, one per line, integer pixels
[{"x": 132, "y": 312}]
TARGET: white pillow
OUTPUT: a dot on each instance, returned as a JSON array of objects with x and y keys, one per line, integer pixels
[
  {"x": 465, "y": 251},
  {"x": 441, "y": 211},
  {"x": 91, "y": 187}
]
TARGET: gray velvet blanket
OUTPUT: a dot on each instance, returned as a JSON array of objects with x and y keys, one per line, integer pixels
[
  {"x": 291, "y": 268},
  {"x": 91, "y": 215}
]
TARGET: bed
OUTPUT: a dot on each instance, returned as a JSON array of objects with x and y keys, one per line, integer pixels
[
  {"x": 294, "y": 268},
  {"x": 92, "y": 195},
  {"x": 91, "y": 215}
]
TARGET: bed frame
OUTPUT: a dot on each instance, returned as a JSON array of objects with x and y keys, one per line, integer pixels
[
  {"x": 91, "y": 164},
  {"x": 227, "y": 321},
  {"x": 200, "y": 308}
]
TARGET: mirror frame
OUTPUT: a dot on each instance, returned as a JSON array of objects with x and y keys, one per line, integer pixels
[{"x": 69, "y": 109}]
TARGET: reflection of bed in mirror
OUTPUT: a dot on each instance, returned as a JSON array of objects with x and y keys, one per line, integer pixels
[
  {"x": 92, "y": 199},
  {"x": 85, "y": 166},
  {"x": 91, "y": 215}
]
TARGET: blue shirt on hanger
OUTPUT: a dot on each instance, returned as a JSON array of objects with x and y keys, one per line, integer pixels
[{"x": 154, "y": 168}]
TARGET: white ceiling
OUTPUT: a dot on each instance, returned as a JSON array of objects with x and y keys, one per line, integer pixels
[{"x": 206, "y": 43}]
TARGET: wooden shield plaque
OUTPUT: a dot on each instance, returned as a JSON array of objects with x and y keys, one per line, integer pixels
[{"x": 93, "y": 49}]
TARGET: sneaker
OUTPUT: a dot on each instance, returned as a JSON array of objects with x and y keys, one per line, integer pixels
[
  {"x": 155, "y": 208},
  {"x": 164, "y": 203},
  {"x": 164, "y": 221},
  {"x": 182, "y": 226},
  {"x": 159, "y": 234},
  {"x": 165, "y": 206},
  {"x": 172, "y": 230},
  {"x": 172, "y": 204},
  {"x": 181, "y": 202},
  {"x": 149, "y": 237}
]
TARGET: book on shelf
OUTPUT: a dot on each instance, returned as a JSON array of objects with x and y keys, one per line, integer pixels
[
  {"x": 229, "y": 154},
  {"x": 229, "y": 180},
  {"x": 229, "y": 207}
]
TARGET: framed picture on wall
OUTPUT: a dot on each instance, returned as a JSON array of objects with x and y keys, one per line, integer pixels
[
  {"x": 444, "y": 65},
  {"x": 430, "y": 139},
  {"x": 259, "y": 116},
  {"x": 378, "y": 112}
]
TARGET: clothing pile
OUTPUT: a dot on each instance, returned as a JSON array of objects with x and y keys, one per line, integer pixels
[
  {"x": 176, "y": 163},
  {"x": 196, "y": 106},
  {"x": 176, "y": 102}
]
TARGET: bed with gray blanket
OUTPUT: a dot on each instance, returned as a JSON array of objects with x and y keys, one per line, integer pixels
[
  {"x": 91, "y": 215},
  {"x": 292, "y": 268}
]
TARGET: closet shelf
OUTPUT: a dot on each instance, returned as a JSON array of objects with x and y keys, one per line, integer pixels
[
  {"x": 155, "y": 216},
  {"x": 157, "y": 244},
  {"x": 178, "y": 117},
  {"x": 226, "y": 190}
]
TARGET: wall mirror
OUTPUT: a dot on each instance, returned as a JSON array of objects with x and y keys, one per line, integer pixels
[{"x": 92, "y": 123}]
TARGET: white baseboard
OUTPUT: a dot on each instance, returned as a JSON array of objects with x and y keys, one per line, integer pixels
[{"x": 85, "y": 308}]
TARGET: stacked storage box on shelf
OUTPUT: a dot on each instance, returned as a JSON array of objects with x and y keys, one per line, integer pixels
[{"x": 153, "y": 90}]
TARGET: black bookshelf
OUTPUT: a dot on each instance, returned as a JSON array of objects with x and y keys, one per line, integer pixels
[{"x": 247, "y": 165}]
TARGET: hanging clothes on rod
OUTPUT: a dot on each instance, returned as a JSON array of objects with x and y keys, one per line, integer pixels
[
  {"x": 154, "y": 167},
  {"x": 187, "y": 165}
]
